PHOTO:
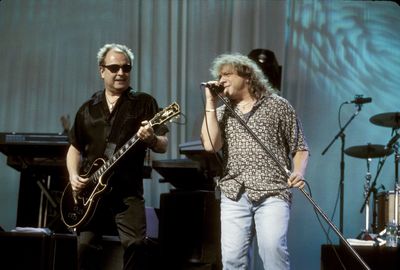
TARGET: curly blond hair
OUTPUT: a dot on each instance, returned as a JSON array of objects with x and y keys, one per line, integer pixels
[{"x": 245, "y": 68}]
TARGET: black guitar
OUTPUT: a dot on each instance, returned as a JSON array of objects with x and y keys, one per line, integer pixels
[{"x": 77, "y": 208}]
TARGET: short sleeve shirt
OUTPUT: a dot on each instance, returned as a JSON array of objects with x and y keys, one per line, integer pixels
[
  {"x": 95, "y": 129},
  {"x": 247, "y": 166}
]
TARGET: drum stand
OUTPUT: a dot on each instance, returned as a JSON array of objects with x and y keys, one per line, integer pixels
[
  {"x": 396, "y": 183},
  {"x": 365, "y": 233},
  {"x": 393, "y": 144}
]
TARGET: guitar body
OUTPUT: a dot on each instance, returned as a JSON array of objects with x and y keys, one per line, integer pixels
[{"x": 78, "y": 208}]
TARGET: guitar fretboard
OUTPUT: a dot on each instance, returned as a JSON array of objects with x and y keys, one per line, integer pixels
[{"x": 115, "y": 157}]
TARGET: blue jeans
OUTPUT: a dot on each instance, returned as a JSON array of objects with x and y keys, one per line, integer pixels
[{"x": 269, "y": 219}]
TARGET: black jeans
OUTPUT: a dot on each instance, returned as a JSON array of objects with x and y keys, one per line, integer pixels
[{"x": 130, "y": 220}]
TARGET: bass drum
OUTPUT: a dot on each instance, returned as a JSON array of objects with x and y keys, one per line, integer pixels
[{"x": 386, "y": 208}]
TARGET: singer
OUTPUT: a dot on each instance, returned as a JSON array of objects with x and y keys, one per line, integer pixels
[{"x": 255, "y": 194}]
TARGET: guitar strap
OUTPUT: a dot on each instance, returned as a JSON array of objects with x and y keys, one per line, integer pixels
[
  {"x": 109, "y": 151},
  {"x": 111, "y": 132},
  {"x": 115, "y": 126}
]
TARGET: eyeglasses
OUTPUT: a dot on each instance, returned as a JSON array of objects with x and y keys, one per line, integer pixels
[{"x": 115, "y": 68}]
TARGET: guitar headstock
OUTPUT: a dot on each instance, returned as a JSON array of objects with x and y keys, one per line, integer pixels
[{"x": 166, "y": 114}]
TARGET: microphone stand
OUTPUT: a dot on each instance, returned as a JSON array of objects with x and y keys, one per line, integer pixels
[
  {"x": 342, "y": 164},
  {"x": 287, "y": 173}
]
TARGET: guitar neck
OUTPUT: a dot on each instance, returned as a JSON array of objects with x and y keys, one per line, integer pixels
[
  {"x": 116, "y": 156},
  {"x": 160, "y": 118}
]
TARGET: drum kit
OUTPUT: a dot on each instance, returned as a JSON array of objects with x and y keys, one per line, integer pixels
[{"x": 387, "y": 203}]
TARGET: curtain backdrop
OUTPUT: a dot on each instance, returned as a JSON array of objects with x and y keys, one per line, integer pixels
[
  {"x": 334, "y": 51},
  {"x": 330, "y": 51}
]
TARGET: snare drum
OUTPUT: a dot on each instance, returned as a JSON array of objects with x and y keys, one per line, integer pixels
[{"x": 385, "y": 208}]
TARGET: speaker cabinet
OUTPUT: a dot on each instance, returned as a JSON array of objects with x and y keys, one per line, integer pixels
[
  {"x": 63, "y": 252},
  {"x": 24, "y": 251},
  {"x": 339, "y": 257},
  {"x": 189, "y": 230},
  {"x": 37, "y": 251}
]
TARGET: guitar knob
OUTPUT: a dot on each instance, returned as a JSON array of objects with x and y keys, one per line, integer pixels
[{"x": 72, "y": 216}]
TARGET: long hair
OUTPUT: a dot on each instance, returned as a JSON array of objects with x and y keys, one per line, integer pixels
[
  {"x": 116, "y": 47},
  {"x": 245, "y": 68}
]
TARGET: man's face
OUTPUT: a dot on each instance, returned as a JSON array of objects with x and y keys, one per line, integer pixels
[
  {"x": 235, "y": 86},
  {"x": 115, "y": 72}
]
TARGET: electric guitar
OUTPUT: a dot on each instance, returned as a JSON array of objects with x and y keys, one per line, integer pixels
[{"x": 77, "y": 208}]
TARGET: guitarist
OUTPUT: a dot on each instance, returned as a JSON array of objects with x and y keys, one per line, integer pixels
[{"x": 102, "y": 125}]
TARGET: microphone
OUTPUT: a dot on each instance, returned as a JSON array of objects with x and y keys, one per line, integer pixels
[
  {"x": 392, "y": 141},
  {"x": 214, "y": 87},
  {"x": 360, "y": 100}
]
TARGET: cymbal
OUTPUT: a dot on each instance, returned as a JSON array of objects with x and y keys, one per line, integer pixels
[
  {"x": 391, "y": 119},
  {"x": 368, "y": 151}
]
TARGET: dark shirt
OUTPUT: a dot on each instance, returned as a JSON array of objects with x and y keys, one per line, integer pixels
[{"x": 96, "y": 129}]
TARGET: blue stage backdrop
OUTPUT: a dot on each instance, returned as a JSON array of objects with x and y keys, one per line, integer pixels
[{"x": 330, "y": 51}]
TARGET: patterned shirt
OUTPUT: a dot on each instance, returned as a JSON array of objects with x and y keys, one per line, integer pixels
[{"x": 247, "y": 166}]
